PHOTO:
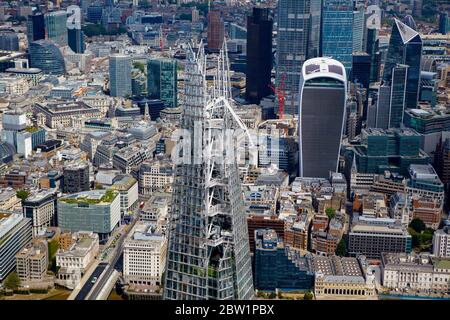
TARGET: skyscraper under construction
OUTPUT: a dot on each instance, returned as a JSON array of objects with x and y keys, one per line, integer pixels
[{"x": 208, "y": 255}]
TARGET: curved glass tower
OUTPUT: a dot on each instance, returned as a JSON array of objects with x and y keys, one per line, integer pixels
[
  {"x": 323, "y": 88},
  {"x": 45, "y": 55}
]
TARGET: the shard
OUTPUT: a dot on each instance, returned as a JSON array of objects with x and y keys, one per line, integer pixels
[{"x": 208, "y": 255}]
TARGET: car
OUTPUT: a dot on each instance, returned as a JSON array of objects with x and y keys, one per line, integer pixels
[{"x": 94, "y": 280}]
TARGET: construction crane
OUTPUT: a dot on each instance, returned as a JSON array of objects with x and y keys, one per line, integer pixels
[{"x": 280, "y": 92}]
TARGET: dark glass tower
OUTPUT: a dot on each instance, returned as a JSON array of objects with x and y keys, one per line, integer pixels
[
  {"x": 397, "y": 103},
  {"x": 35, "y": 27},
  {"x": 361, "y": 69},
  {"x": 322, "y": 107},
  {"x": 45, "y": 55},
  {"x": 405, "y": 47},
  {"x": 162, "y": 81},
  {"x": 75, "y": 40},
  {"x": 259, "y": 55}
]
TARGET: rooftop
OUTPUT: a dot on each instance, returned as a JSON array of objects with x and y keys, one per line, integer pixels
[{"x": 90, "y": 197}]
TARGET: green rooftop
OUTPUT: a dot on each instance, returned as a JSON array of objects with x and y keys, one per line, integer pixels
[{"x": 92, "y": 197}]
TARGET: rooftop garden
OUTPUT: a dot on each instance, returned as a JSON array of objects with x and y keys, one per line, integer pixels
[
  {"x": 108, "y": 197},
  {"x": 32, "y": 129}
]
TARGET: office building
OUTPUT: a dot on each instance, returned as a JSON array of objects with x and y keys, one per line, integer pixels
[
  {"x": 144, "y": 255},
  {"x": 405, "y": 47},
  {"x": 361, "y": 69},
  {"x": 208, "y": 252},
  {"x": 9, "y": 41},
  {"x": 337, "y": 31},
  {"x": 32, "y": 261},
  {"x": 373, "y": 236},
  {"x": 76, "y": 177},
  {"x": 398, "y": 95},
  {"x": 358, "y": 28},
  {"x": 16, "y": 133},
  {"x": 155, "y": 175},
  {"x": 277, "y": 266},
  {"x": 444, "y": 22},
  {"x": 127, "y": 186},
  {"x": 75, "y": 38},
  {"x": 259, "y": 55},
  {"x": 393, "y": 150},
  {"x": 56, "y": 27},
  {"x": 47, "y": 57},
  {"x": 216, "y": 30},
  {"x": 322, "y": 105},
  {"x": 162, "y": 81},
  {"x": 15, "y": 233},
  {"x": 97, "y": 211},
  {"x": 40, "y": 208},
  {"x": 119, "y": 75},
  {"x": 292, "y": 48},
  {"x": 441, "y": 243},
  {"x": 35, "y": 27},
  {"x": 402, "y": 271}
]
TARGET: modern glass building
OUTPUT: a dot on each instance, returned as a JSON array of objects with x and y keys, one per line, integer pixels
[
  {"x": 9, "y": 41},
  {"x": 315, "y": 29},
  {"x": 405, "y": 47},
  {"x": 361, "y": 68},
  {"x": 323, "y": 95},
  {"x": 259, "y": 55},
  {"x": 162, "y": 81},
  {"x": 97, "y": 211},
  {"x": 358, "y": 28},
  {"x": 292, "y": 47},
  {"x": 397, "y": 97},
  {"x": 337, "y": 31},
  {"x": 76, "y": 40},
  {"x": 278, "y": 267},
  {"x": 444, "y": 22},
  {"x": 46, "y": 56},
  {"x": 208, "y": 249},
  {"x": 35, "y": 27},
  {"x": 119, "y": 75},
  {"x": 56, "y": 27}
]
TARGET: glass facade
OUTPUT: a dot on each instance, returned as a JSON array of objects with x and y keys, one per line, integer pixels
[
  {"x": 405, "y": 47},
  {"x": 397, "y": 102},
  {"x": 47, "y": 57},
  {"x": 119, "y": 75},
  {"x": 292, "y": 47},
  {"x": 56, "y": 27},
  {"x": 75, "y": 39},
  {"x": 358, "y": 29},
  {"x": 162, "y": 81},
  {"x": 337, "y": 31},
  {"x": 35, "y": 27}
]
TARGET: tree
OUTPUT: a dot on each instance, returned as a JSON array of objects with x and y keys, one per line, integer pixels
[
  {"x": 280, "y": 295},
  {"x": 330, "y": 212},
  {"x": 417, "y": 225},
  {"x": 308, "y": 296},
  {"x": 12, "y": 281},
  {"x": 272, "y": 295},
  {"x": 22, "y": 194},
  {"x": 341, "y": 249}
]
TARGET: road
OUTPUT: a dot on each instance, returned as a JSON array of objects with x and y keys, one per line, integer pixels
[{"x": 88, "y": 285}]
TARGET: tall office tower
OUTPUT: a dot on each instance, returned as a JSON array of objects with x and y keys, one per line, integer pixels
[
  {"x": 337, "y": 31},
  {"x": 383, "y": 107},
  {"x": 322, "y": 107},
  {"x": 444, "y": 22},
  {"x": 216, "y": 31},
  {"x": 55, "y": 26},
  {"x": 397, "y": 101},
  {"x": 9, "y": 41},
  {"x": 119, "y": 75},
  {"x": 259, "y": 55},
  {"x": 409, "y": 21},
  {"x": 46, "y": 56},
  {"x": 361, "y": 69},
  {"x": 208, "y": 252},
  {"x": 315, "y": 29},
  {"x": 371, "y": 45},
  {"x": 358, "y": 28},
  {"x": 162, "y": 81},
  {"x": 405, "y": 47},
  {"x": 74, "y": 33},
  {"x": 292, "y": 48},
  {"x": 35, "y": 27}
]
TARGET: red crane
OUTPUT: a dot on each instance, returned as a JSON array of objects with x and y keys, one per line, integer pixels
[{"x": 280, "y": 93}]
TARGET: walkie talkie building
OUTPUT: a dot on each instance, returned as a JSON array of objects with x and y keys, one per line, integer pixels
[
  {"x": 323, "y": 94},
  {"x": 208, "y": 254}
]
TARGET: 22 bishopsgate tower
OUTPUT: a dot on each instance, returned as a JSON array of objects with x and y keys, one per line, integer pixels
[{"x": 208, "y": 250}]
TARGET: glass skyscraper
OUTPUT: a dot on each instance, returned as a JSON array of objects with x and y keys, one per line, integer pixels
[
  {"x": 358, "y": 28},
  {"x": 56, "y": 27},
  {"x": 397, "y": 101},
  {"x": 337, "y": 31},
  {"x": 405, "y": 47},
  {"x": 35, "y": 27},
  {"x": 75, "y": 40},
  {"x": 46, "y": 56},
  {"x": 322, "y": 107},
  {"x": 162, "y": 81},
  {"x": 208, "y": 250},
  {"x": 119, "y": 75},
  {"x": 292, "y": 47},
  {"x": 259, "y": 55}
]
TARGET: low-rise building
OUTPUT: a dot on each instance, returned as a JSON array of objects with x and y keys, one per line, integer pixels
[
  {"x": 9, "y": 201},
  {"x": 441, "y": 243},
  {"x": 32, "y": 261},
  {"x": 127, "y": 186},
  {"x": 41, "y": 207},
  {"x": 155, "y": 175}
]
